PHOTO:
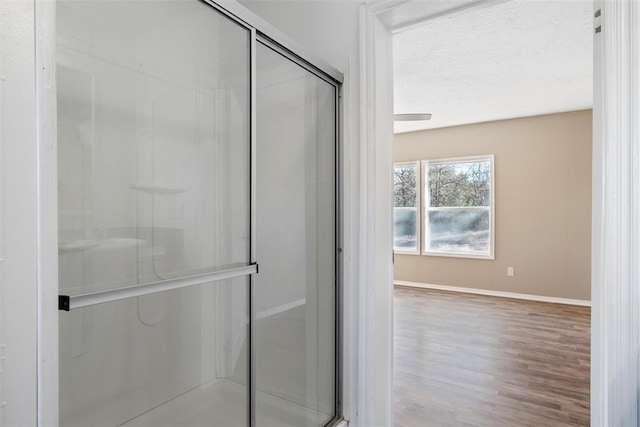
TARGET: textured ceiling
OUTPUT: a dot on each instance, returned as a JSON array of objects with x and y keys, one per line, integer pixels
[{"x": 514, "y": 59}]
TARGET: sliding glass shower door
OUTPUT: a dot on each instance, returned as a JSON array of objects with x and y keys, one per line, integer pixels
[
  {"x": 153, "y": 187},
  {"x": 197, "y": 221},
  {"x": 295, "y": 243}
]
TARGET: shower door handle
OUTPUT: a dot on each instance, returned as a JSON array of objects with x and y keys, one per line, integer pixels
[{"x": 71, "y": 302}]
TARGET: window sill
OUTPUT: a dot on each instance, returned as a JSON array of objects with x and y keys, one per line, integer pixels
[
  {"x": 397, "y": 252},
  {"x": 459, "y": 255}
]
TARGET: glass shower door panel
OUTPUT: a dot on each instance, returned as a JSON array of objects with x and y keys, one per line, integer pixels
[
  {"x": 295, "y": 244},
  {"x": 173, "y": 359},
  {"x": 153, "y": 131},
  {"x": 153, "y": 185}
]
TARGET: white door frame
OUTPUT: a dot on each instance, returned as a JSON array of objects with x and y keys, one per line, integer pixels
[
  {"x": 616, "y": 205},
  {"x": 615, "y": 279}
]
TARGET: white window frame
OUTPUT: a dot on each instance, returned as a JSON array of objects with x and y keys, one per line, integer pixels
[
  {"x": 418, "y": 208},
  {"x": 425, "y": 209}
]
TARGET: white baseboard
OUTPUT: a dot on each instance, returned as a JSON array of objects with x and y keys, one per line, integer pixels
[{"x": 500, "y": 294}]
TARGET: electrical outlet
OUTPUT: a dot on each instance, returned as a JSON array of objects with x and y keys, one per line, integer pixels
[{"x": 510, "y": 272}]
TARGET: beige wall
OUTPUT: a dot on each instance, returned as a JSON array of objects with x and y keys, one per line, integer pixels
[{"x": 543, "y": 205}]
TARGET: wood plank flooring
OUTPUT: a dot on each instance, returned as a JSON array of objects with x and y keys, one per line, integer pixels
[{"x": 473, "y": 360}]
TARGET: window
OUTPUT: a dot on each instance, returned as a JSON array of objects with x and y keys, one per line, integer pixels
[
  {"x": 458, "y": 217},
  {"x": 405, "y": 207}
]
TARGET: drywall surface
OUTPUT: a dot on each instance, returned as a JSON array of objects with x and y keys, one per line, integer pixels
[
  {"x": 542, "y": 200},
  {"x": 18, "y": 216},
  {"x": 306, "y": 22}
]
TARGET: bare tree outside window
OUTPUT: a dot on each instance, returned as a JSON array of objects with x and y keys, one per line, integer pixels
[
  {"x": 460, "y": 184},
  {"x": 405, "y": 187},
  {"x": 405, "y": 211}
]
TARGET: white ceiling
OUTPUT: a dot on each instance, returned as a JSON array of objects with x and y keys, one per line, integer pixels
[{"x": 513, "y": 59}]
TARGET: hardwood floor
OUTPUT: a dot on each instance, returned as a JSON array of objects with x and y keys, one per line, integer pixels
[{"x": 472, "y": 360}]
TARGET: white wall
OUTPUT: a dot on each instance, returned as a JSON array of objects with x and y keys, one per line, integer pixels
[
  {"x": 18, "y": 215},
  {"x": 307, "y": 23}
]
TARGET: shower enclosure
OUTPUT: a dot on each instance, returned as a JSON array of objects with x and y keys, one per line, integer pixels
[{"x": 197, "y": 211}]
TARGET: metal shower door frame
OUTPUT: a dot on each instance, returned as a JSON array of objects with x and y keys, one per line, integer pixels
[{"x": 260, "y": 32}]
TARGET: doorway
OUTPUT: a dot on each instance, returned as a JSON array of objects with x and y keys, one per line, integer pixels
[
  {"x": 459, "y": 251},
  {"x": 197, "y": 230}
]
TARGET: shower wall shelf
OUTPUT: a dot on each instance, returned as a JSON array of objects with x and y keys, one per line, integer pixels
[
  {"x": 156, "y": 189},
  {"x": 115, "y": 243},
  {"x": 74, "y": 213},
  {"x": 71, "y": 302},
  {"x": 77, "y": 246}
]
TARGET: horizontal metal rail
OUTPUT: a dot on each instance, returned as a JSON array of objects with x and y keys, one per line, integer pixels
[{"x": 71, "y": 302}]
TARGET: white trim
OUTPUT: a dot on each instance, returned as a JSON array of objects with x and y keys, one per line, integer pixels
[
  {"x": 467, "y": 255},
  {"x": 615, "y": 274},
  {"x": 397, "y": 252},
  {"x": 407, "y": 163},
  {"x": 492, "y": 293},
  {"x": 459, "y": 208},
  {"x": 47, "y": 214},
  {"x": 374, "y": 370},
  {"x": 461, "y": 159}
]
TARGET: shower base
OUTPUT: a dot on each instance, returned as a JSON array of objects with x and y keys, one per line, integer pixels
[{"x": 224, "y": 403}]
